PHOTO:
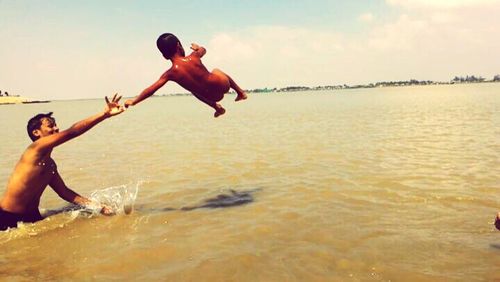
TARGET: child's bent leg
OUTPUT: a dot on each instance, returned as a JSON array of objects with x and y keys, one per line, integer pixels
[
  {"x": 240, "y": 92},
  {"x": 219, "y": 110}
]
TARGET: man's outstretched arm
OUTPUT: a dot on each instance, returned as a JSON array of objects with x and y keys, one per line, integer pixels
[{"x": 49, "y": 142}]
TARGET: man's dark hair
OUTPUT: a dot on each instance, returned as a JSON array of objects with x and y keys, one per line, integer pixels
[
  {"x": 36, "y": 122},
  {"x": 167, "y": 43}
]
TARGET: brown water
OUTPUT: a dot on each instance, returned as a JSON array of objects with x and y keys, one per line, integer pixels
[{"x": 396, "y": 184}]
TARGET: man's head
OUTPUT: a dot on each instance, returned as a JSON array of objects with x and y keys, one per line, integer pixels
[
  {"x": 168, "y": 44},
  {"x": 41, "y": 125}
]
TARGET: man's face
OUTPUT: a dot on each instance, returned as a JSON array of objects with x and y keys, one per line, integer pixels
[{"x": 47, "y": 128}]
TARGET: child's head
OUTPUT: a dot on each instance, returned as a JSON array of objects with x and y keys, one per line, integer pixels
[
  {"x": 36, "y": 125},
  {"x": 168, "y": 43}
]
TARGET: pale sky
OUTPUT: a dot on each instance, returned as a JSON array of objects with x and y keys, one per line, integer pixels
[{"x": 59, "y": 49}]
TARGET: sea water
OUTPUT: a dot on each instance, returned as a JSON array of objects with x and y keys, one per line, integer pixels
[{"x": 380, "y": 184}]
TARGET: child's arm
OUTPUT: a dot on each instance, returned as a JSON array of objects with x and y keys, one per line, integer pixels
[
  {"x": 148, "y": 91},
  {"x": 198, "y": 50}
]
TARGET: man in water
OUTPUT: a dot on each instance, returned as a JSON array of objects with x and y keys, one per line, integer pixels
[
  {"x": 36, "y": 169},
  {"x": 497, "y": 221}
]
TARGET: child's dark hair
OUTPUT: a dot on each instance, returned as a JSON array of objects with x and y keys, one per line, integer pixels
[
  {"x": 167, "y": 43},
  {"x": 36, "y": 122}
]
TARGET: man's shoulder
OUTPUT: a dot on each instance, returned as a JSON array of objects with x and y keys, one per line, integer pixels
[
  {"x": 31, "y": 152},
  {"x": 32, "y": 148}
]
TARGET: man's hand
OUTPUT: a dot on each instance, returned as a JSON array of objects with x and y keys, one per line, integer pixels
[
  {"x": 113, "y": 108},
  {"x": 129, "y": 102},
  {"x": 107, "y": 210}
]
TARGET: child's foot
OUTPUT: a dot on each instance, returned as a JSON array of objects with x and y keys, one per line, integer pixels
[
  {"x": 497, "y": 221},
  {"x": 219, "y": 110},
  {"x": 241, "y": 96}
]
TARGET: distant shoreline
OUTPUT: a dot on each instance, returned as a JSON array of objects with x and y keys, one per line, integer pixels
[
  {"x": 383, "y": 84},
  {"x": 10, "y": 100},
  {"x": 344, "y": 87}
]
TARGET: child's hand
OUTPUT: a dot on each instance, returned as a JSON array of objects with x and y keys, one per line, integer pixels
[
  {"x": 195, "y": 46},
  {"x": 129, "y": 103},
  {"x": 198, "y": 50}
]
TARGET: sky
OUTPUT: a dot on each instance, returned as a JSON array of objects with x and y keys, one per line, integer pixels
[{"x": 59, "y": 49}]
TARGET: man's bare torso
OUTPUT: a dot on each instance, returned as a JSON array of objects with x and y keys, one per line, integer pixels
[{"x": 31, "y": 176}]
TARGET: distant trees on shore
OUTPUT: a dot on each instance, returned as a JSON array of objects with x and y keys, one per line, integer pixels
[
  {"x": 473, "y": 79},
  {"x": 455, "y": 80}
]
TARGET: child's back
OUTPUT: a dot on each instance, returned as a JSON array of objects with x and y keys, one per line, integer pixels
[{"x": 190, "y": 73}]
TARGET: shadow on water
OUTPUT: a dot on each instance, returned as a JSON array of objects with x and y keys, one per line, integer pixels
[
  {"x": 495, "y": 246},
  {"x": 225, "y": 200}
]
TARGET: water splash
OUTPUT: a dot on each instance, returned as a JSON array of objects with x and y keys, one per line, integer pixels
[{"x": 120, "y": 199}]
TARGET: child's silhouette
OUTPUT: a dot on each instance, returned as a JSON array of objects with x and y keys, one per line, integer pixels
[{"x": 190, "y": 73}]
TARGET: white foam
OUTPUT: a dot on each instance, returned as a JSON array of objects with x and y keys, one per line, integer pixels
[{"x": 120, "y": 199}]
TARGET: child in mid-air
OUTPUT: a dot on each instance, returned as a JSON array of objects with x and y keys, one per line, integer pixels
[{"x": 190, "y": 73}]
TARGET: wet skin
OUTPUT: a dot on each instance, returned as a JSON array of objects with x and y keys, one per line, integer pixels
[
  {"x": 190, "y": 73},
  {"x": 36, "y": 169}
]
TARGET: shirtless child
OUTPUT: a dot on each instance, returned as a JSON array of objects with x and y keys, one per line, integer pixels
[
  {"x": 36, "y": 169},
  {"x": 190, "y": 73}
]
